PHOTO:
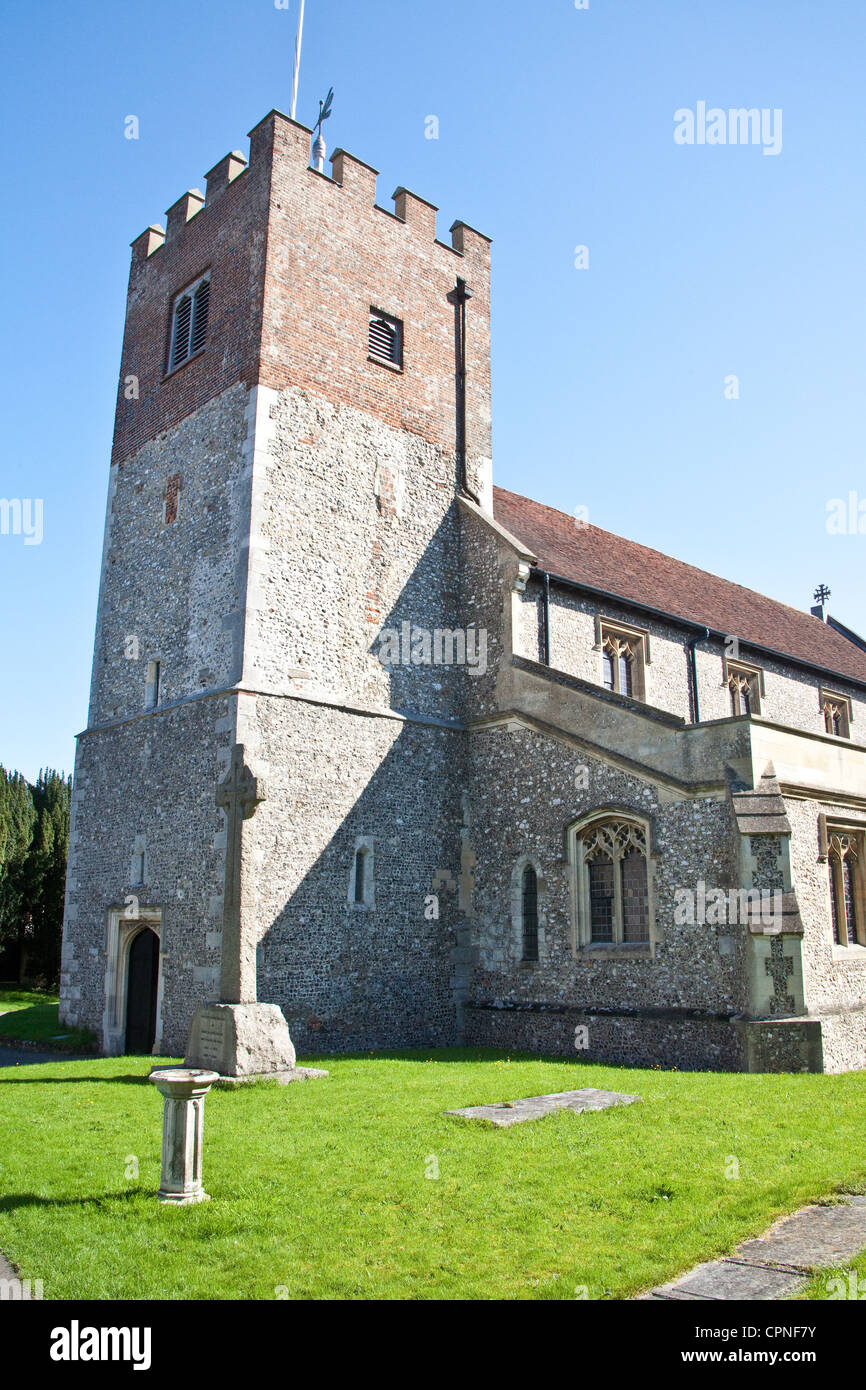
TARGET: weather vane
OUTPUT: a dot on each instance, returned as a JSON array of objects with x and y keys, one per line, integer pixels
[
  {"x": 319, "y": 146},
  {"x": 821, "y": 594}
]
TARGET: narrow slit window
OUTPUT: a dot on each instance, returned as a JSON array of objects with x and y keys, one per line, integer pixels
[
  {"x": 530, "y": 913},
  {"x": 153, "y": 680},
  {"x": 360, "y": 871}
]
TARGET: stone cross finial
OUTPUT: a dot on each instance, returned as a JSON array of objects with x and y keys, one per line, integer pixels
[{"x": 238, "y": 795}]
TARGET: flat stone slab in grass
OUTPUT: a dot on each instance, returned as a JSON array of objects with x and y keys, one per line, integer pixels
[
  {"x": 813, "y": 1236},
  {"x": 727, "y": 1279},
  {"x": 514, "y": 1112},
  {"x": 779, "y": 1263}
]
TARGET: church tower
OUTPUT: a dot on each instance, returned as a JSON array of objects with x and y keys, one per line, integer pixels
[{"x": 304, "y": 395}]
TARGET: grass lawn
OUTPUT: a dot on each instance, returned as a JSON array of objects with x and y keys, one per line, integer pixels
[
  {"x": 827, "y": 1286},
  {"x": 321, "y": 1188},
  {"x": 33, "y": 1017}
]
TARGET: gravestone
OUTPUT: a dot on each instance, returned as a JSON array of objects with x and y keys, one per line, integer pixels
[
  {"x": 238, "y": 1037},
  {"x": 505, "y": 1113}
]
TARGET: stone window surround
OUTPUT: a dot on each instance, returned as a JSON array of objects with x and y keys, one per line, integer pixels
[
  {"x": 582, "y": 947},
  {"x": 122, "y": 930},
  {"x": 153, "y": 682},
  {"x": 827, "y": 695},
  {"x": 731, "y": 668},
  {"x": 516, "y": 894},
  {"x": 138, "y": 865},
  {"x": 639, "y": 639},
  {"x": 367, "y": 846}
]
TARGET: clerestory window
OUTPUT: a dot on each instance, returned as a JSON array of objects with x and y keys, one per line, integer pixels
[
  {"x": 623, "y": 656},
  {"x": 836, "y": 710},
  {"x": 744, "y": 686}
]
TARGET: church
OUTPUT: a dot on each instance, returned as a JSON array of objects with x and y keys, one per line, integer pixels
[{"x": 515, "y": 781}]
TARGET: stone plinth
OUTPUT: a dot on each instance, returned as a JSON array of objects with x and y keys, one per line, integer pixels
[
  {"x": 184, "y": 1090},
  {"x": 240, "y": 1040}
]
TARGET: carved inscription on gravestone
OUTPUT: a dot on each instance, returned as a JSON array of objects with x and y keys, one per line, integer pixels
[{"x": 211, "y": 1040}]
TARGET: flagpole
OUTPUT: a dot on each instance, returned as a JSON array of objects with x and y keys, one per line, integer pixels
[{"x": 297, "y": 60}]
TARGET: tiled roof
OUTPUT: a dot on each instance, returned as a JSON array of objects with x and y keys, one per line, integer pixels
[{"x": 587, "y": 555}]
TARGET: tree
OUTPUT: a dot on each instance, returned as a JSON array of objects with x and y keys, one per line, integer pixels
[{"x": 34, "y": 839}]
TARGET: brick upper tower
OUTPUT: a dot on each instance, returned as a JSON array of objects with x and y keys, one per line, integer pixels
[{"x": 277, "y": 497}]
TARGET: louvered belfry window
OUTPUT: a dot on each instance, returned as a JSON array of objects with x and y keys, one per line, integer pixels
[
  {"x": 385, "y": 342},
  {"x": 189, "y": 323}
]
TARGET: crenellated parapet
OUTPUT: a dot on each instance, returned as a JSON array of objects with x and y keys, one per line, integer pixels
[{"x": 297, "y": 262}]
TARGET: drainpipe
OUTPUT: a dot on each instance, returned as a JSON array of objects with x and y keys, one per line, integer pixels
[
  {"x": 545, "y": 617},
  {"x": 458, "y": 298},
  {"x": 693, "y": 672}
]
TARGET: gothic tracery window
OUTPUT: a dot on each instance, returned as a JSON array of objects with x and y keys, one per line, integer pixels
[
  {"x": 745, "y": 688},
  {"x": 613, "y": 887},
  {"x": 620, "y": 657},
  {"x": 845, "y": 865},
  {"x": 836, "y": 710}
]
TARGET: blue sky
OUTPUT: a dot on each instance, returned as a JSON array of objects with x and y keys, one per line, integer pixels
[{"x": 556, "y": 130}]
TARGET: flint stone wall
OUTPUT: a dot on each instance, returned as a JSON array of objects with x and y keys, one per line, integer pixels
[
  {"x": 349, "y": 976},
  {"x": 154, "y": 775}
]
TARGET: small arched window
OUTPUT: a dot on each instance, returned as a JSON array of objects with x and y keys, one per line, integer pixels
[
  {"x": 362, "y": 886},
  {"x": 385, "y": 340},
  {"x": 189, "y": 323},
  {"x": 529, "y": 913}
]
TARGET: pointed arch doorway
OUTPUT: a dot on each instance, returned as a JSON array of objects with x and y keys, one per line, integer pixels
[
  {"x": 141, "y": 991},
  {"x": 130, "y": 995}
]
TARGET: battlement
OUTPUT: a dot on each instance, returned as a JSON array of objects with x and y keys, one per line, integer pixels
[
  {"x": 297, "y": 260},
  {"x": 277, "y": 138}
]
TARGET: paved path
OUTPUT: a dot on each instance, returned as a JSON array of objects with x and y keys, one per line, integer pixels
[
  {"x": 29, "y": 1057},
  {"x": 780, "y": 1263}
]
